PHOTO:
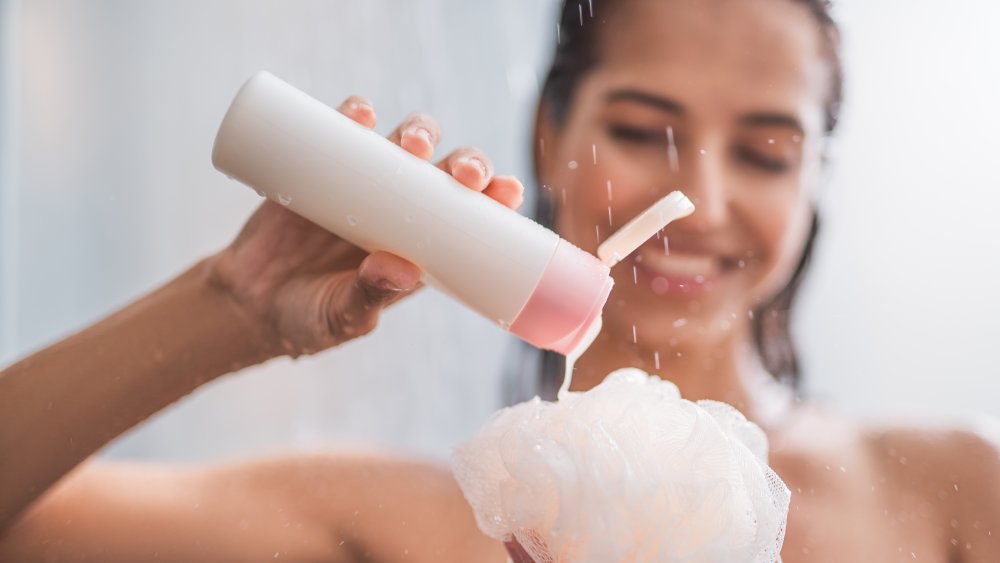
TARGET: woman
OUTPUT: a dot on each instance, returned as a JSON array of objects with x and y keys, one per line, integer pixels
[{"x": 727, "y": 99}]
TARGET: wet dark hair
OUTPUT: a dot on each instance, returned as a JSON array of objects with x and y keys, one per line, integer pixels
[{"x": 577, "y": 52}]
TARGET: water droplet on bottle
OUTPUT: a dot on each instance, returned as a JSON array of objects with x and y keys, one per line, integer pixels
[
  {"x": 503, "y": 324},
  {"x": 261, "y": 193},
  {"x": 284, "y": 199},
  {"x": 352, "y": 220},
  {"x": 680, "y": 322},
  {"x": 573, "y": 165}
]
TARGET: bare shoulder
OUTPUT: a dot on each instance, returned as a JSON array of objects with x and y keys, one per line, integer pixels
[
  {"x": 952, "y": 471},
  {"x": 861, "y": 488},
  {"x": 969, "y": 453}
]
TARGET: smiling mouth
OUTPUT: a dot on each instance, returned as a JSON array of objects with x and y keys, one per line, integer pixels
[{"x": 679, "y": 271}]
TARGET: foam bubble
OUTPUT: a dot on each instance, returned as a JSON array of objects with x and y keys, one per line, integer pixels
[{"x": 626, "y": 471}]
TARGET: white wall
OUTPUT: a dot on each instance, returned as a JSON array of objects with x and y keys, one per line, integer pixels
[
  {"x": 108, "y": 110},
  {"x": 118, "y": 106},
  {"x": 902, "y": 313}
]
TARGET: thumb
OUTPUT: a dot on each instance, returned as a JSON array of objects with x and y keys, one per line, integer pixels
[{"x": 380, "y": 280}]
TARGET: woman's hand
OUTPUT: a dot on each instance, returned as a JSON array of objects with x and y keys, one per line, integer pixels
[{"x": 312, "y": 290}]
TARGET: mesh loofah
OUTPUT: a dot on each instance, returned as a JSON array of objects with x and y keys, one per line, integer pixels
[{"x": 628, "y": 471}]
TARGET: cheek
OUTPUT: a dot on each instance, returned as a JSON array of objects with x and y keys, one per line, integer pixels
[
  {"x": 596, "y": 196},
  {"x": 781, "y": 228}
]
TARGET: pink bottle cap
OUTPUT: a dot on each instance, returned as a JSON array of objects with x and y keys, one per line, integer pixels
[{"x": 568, "y": 298}]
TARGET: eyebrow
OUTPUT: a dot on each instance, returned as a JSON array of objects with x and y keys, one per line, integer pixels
[
  {"x": 765, "y": 119},
  {"x": 646, "y": 98},
  {"x": 772, "y": 119}
]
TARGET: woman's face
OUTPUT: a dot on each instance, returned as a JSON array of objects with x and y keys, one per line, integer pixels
[{"x": 722, "y": 99}]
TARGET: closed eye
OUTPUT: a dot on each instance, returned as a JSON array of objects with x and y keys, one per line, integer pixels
[
  {"x": 641, "y": 135},
  {"x": 758, "y": 160}
]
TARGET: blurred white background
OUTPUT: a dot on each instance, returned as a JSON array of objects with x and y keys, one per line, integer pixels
[{"x": 108, "y": 111}]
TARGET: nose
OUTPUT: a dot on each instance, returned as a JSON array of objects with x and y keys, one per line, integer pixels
[{"x": 705, "y": 185}]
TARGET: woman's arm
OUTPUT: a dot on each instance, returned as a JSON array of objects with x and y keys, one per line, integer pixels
[
  {"x": 63, "y": 403},
  {"x": 303, "y": 508},
  {"x": 284, "y": 286}
]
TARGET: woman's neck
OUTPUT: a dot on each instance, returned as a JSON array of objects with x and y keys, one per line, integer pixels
[{"x": 726, "y": 368}]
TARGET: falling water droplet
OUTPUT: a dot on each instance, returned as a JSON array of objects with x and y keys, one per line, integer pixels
[
  {"x": 610, "y": 222},
  {"x": 591, "y": 2},
  {"x": 597, "y": 230},
  {"x": 558, "y": 35},
  {"x": 609, "y": 190},
  {"x": 593, "y": 150},
  {"x": 572, "y": 165},
  {"x": 635, "y": 275},
  {"x": 666, "y": 246},
  {"x": 675, "y": 164},
  {"x": 580, "y": 6},
  {"x": 352, "y": 220},
  {"x": 284, "y": 199},
  {"x": 635, "y": 338},
  {"x": 656, "y": 359}
]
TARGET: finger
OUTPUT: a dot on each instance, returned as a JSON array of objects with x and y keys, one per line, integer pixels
[
  {"x": 508, "y": 190},
  {"x": 517, "y": 553},
  {"x": 359, "y": 109},
  {"x": 418, "y": 134},
  {"x": 389, "y": 272},
  {"x": 381, "y": 279},
  {"x": 470, "y": 166}
]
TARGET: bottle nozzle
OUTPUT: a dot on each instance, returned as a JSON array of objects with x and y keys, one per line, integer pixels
[{"x": 625, "y": 240}]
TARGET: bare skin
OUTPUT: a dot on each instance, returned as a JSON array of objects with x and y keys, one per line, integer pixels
[
  {"x": 283, "y": 287},
  {"x": 745, "y": 81}
]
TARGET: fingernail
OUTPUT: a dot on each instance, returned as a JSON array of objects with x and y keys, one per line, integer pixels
[
  {"x": 356, "y": 106},
  {"x": 419, "y": 132},
  {"x": 478, "y": 163},
  {"x": 388, "y": 285}
]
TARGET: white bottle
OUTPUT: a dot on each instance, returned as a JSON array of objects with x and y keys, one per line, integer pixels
[{"x": 372, "y": 193}]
